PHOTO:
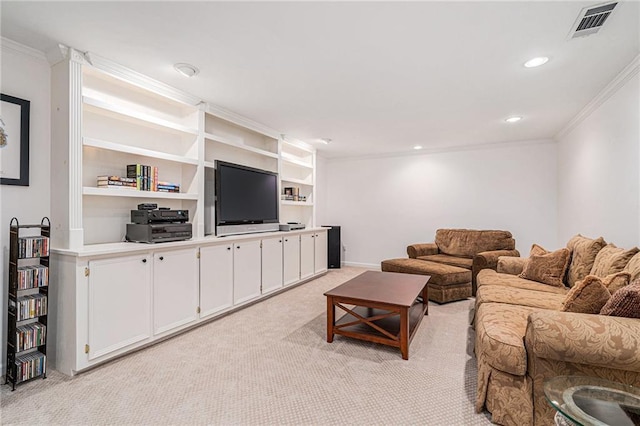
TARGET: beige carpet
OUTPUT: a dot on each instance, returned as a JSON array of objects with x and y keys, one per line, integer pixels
[{"x": 270, "y": 364}]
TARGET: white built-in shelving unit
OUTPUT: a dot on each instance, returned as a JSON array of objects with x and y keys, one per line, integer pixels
[{"x": 120, "y": 296}]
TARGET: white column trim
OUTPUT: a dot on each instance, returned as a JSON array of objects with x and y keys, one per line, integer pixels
[{"x": 76, "y": 231}]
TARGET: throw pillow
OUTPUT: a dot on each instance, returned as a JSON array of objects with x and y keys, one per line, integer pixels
[
  {"x": 615, "y": 282},
  {"x": 633, "y": 267},
  {"x": 624, "y": 302},
  {"x": 583, "y": 253},
  {"x": 611, "y": 259},
  {"x": 547, "y": 268},
  {"x": 587, "y": 296},
  {"x": 537, "y": 250}
]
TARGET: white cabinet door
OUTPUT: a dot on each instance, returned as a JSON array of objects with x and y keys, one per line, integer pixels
[
  {"x": 320, "y": 264},
  {"x": 246, "y": 271},
  {"x": 271, "y": 264},
  {"x": 307, "y": 254},
  {"x": 175, "y": 289},
  {"x": 119, "y": 305},
  {"x": 216, "y": 279},
  {"x": 291, "y": 259}
]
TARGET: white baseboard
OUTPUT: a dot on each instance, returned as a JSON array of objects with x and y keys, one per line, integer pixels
[{"x": 371, "y": 266}]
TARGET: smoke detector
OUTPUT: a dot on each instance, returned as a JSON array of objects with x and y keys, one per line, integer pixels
[{"x": 591, "y": 19}]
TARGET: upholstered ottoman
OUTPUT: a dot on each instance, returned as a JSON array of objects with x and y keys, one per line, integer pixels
[{"x": 447, "y": 283}]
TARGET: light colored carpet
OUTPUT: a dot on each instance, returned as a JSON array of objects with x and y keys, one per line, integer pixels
[{"x": 270, "y": 364}]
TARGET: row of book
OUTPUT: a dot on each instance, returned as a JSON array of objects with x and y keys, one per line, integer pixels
[
  {"x": 146, "y": 176},
  {"x": 30, "y": 336},
  {"x": 36, "y": 246},
  {"x": 32, "y": 276},
  {"x": 140, "y": 177},
  {"x": 117, "y": 182},
  {"x": 302, "y": 198},
  {"x": 31, "y": 306},
  {"x": 30, "y": 365}
]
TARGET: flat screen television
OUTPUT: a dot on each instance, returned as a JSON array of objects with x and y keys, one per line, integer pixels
[{"x": 246, "y": 199}]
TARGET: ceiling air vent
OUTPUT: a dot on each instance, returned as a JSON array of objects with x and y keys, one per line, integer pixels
[{"x": 591, "y": 19}]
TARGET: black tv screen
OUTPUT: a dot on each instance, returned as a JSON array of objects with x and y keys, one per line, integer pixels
[{"x": 245, "y": 195}]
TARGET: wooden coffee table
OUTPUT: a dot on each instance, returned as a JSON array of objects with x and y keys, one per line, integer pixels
[{"x": 386, "y": 308}]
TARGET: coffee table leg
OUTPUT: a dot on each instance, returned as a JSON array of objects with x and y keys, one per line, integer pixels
[
  {"x": 404, "y": 333},
  {"x": 425, "y": 299},
  {"x": 331, "y": 313}
]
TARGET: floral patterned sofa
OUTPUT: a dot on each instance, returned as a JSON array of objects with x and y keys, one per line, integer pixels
[{"x": 569, "y": 312}]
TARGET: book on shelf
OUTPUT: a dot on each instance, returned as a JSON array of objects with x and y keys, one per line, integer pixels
[
  {"x": 167, "y": 187},
  {"x": 146, "y": 177}
]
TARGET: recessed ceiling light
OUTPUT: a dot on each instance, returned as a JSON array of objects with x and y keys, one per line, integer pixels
[
  {"x": 536, "y": 62},
  {"x": 187, "y": 70},
  {"x": 416, "y": 147},
  {"x": 513, "y": 119}
]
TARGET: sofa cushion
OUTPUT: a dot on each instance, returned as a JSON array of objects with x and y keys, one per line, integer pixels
[
  {"x": 633, "y": 267},
  {"x": 611, "y": 259},
  {"x": 468, "y": 242},
  {"x": 624, "y": 302},
  {"x": 587, "y": 296},
  {"x": 546, "y": 268},
  {"x": 511, "y": 265},
  {"x": 491, "y": 277},
  {"x": 461, "y": 262},
  {"x": 583, "y": 253},
  {"x": 615, "y": 282},
  {"x": 519, "y": 296},
  {"x": 500, "y": 341}
]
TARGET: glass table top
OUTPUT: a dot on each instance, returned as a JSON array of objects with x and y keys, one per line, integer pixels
[{"x": 590, "y": 401}]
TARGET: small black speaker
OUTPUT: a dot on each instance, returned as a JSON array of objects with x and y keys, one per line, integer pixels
[{"x": 333, "y": 247}]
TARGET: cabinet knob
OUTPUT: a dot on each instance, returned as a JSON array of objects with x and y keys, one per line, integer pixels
[
  {"x": 161, "y": 257},
  {"x": 144, "y": 260},
  {"x": 285, "y": 240},
  {"x": 228, "y": 248},
  {"x": 238, "y": 247},
  {"x": 279, "y": 241}
]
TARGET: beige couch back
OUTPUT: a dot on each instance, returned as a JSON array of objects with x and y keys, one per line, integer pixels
[{"x": 469, "y": 242}]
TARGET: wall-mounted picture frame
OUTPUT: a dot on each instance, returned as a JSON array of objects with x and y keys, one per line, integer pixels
[{"x": 14, "y": 140}]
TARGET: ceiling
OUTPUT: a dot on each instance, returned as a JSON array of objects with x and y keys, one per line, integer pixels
[{"x": 375, "y": 77}]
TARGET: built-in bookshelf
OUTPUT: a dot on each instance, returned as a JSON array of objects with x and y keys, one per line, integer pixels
[
  {"x": 112, "y": 117},
  {"x": 297, "y": 173},
  {"x": 28, "y": 300}
]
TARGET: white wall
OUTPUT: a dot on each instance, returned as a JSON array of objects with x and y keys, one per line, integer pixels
[
  {"x": 25, "y": 75},
  {"x": 599, "y": 167},
  {"x": 385, "y": 204}
]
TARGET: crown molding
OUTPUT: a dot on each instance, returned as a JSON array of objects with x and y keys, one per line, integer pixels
[
  {"x": 127, "y": 74},
  {"x": 443, "y": 150},
  {"x": 620, "y": 80},
  {"x": 235, "y": 118},
  {"x": 21, "y": 48}
]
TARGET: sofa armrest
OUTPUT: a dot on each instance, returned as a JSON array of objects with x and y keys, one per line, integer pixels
[
  {"x": 487, "y": 260},
  {"x": 424, "y": 249},
  {"x": 597, "y": 340},
  {"x": 511, "y": 265}
]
